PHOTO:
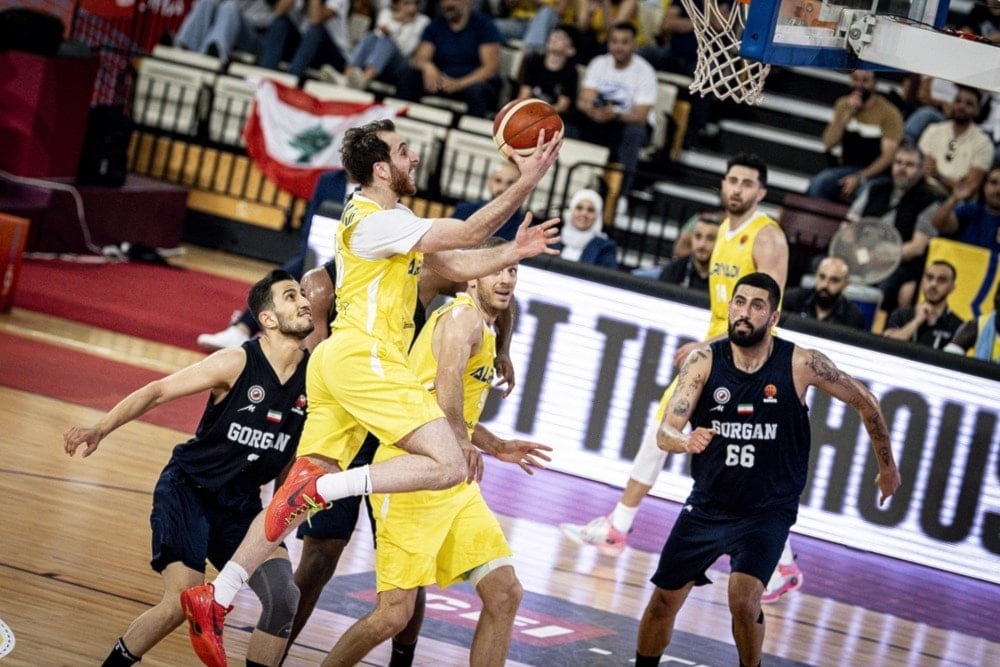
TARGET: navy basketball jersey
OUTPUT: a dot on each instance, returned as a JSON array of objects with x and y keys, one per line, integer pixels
[
  {"x": 760, "y": 456},
  {"x": 246, "y": 439}
]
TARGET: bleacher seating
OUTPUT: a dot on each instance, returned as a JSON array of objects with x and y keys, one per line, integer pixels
[
  {"x": 170, "y": 96},
  {"x": 332, "y": 91}
]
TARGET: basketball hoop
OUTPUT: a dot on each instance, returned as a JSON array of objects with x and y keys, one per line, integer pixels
[{"x": 720, "y": 69}]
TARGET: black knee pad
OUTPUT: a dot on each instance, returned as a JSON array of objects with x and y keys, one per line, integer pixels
[{"x": 279, "y": 596}]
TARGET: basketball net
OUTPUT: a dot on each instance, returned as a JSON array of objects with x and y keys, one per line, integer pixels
[{"x": 720, "y": 69}]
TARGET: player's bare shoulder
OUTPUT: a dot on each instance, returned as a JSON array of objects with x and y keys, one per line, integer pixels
[{"x": 812, "y": 367}]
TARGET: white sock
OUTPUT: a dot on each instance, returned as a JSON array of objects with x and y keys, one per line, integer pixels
[
  {"x": 623, "y": 516},
  {"x": 787, "y": 557},
  {"x": 353, "y": 482},
  {"x": 229, "y": 582}
]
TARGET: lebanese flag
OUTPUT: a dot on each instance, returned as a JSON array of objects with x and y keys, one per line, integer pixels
[{"x": 294, "y": 137}]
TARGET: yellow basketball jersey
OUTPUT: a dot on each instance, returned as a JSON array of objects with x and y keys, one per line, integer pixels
[
  {"x": 478, "y": 372},
  {"x": 377, "y": 296},
  {"x": 732, "y": 259}
]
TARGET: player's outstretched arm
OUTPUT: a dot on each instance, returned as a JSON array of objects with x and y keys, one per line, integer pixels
[
  {"x": 216, "y": 372},
  {"x": 812, "y": 367},
  {"x": 523, "y": 453},
  {"x": 690, "y": 383},
  {"x": 531, "y": 240}
]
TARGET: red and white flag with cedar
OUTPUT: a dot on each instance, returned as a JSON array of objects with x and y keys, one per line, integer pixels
[{"x": 294, "y": 137}]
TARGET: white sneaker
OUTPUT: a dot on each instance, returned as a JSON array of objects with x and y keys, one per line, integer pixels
[
  {"x": 598, "y": 533},
  {"x": 231, "y": 336}
]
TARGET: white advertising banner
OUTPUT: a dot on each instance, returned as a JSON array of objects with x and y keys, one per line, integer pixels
[{"x": 592, "y": 362}]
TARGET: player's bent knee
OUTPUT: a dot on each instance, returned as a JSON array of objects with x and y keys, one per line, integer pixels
[{"x": 279, "y": 596}]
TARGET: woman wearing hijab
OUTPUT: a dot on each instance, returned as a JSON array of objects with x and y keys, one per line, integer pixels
[{"x": 582, "y": 237}]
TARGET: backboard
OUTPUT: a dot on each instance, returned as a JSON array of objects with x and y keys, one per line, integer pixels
[{"x": 814, "y": 33}]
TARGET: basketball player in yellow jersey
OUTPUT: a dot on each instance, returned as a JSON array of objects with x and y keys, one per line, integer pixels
[
  {"x": 450, "y": 535},
  {"x": 358, "y": 379},
  {"x": 748, "y": 241}
]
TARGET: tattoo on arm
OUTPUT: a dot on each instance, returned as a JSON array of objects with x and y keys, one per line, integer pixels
[{"x": 824, "y": 369}]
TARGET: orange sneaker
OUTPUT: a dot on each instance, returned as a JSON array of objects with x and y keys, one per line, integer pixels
[
  {"x": 297, "y": 495},
  {"x": 206, "y": 618}
]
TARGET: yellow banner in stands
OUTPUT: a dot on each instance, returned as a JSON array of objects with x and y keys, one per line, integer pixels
[{"x": 977, "y": 276}]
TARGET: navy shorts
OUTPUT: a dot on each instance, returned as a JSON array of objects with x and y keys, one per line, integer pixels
[
  {"x": 337, "y": 522},
  {"x": 699, "y": 537},
  {"x": 191, "y": 526}
]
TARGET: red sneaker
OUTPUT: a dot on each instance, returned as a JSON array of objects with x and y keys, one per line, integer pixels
[
  {"x": 297, "y": 495},
  {"x": 205, "y": 620}
]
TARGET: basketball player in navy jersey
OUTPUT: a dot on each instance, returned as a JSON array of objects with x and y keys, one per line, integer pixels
[
  {"x": 749, "y": 443},
  {"x": 209, "y": 492}
]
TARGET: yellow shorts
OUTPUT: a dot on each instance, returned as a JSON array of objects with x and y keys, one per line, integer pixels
[
  {"x": 426, "y": 537},
  {"x": 355, "y": 386}
]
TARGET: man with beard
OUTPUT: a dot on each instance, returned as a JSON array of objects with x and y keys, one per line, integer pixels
[
  {"x": 957, "y": 149},
  {"x": 747, "y": 241},
  {"x": 930, "y": 322},
  {"x": 359, "y": 380},
  {"x": 458, "y": 57},
  {"x": 749, "y": 442},
  {"x": 867, "y": 127},
  {"x": 692, "y": 270},
  {"x": 908, "y": 203},
  {"x": 450, "y": 535},
  {"x": 209, "y": 492},
  {"x": 826, "y": 302}
]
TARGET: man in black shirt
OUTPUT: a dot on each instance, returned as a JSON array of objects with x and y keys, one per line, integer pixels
[
  {"x": 930, "y": 322},
  {"x": 692, "y": 271},
  {"x": 826, "y": 301}
]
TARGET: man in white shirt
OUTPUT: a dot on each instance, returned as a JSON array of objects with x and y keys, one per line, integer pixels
[
  {"x": 616, "y": 101},
  {"x": 957, "y": 149}
]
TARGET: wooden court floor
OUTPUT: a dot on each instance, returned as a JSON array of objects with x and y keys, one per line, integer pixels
[{"x": 74, "y": 547}]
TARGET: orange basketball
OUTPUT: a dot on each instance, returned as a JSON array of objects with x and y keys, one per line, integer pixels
[{"x": 519, "y": 122}]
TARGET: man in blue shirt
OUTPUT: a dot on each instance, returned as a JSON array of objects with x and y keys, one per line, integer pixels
[{"x": 459, "y": 58}]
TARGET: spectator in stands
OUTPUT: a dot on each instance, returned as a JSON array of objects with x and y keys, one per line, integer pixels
[
  {"x": 825, "y": 301},
  {"x": 530, "y": 21},
  {"x": 692, "y": 269},
  {"x": 501, "y": 177},
  {"x": 973, "y": 222},
  {"x": 676, "y": 48},
  {"x": 930, "y": 322},
  {"x": 957, "y": 149},
  {"x": 980, "y": 335},
  {"x": 383, "y": 53},
  {"x": 311, "y": 33},
  {"x": 583, "y": 239},
  {"x": 551, "y": 76},
  {"x": 217, "y": 27},
  {"x": 984, "y": 20},
  {"x": 907, "y": 202},
  {"x": 867, "y": 127},
  {"x": 459, "y": 58},
  {"x": 596, "y": 19},
  {"x": 616, "y": 100}
]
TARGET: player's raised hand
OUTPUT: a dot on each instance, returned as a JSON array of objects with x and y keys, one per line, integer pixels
[
  {"x": 535, "y": 240},
  {"x": 534, "y": 166}
]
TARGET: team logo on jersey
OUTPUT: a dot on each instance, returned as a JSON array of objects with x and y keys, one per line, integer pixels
[
  {"x": 255, "y": 393},
  {"x": 300, "y": 405},
  {"x": 770, "y": 394},
  {"x": 721, "y": 396},
  {"x": 744, "y": 239}
]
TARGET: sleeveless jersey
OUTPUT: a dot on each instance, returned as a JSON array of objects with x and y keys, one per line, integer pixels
[
  {"x": 479, "y": 371},
  {"x": 372, "y": 294},
  {"x": 246, "y": 439},
  {"x": 760, "y": 456},
  {"x": 731, "y": 259},
  {"x": 419, "y": 313}
]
